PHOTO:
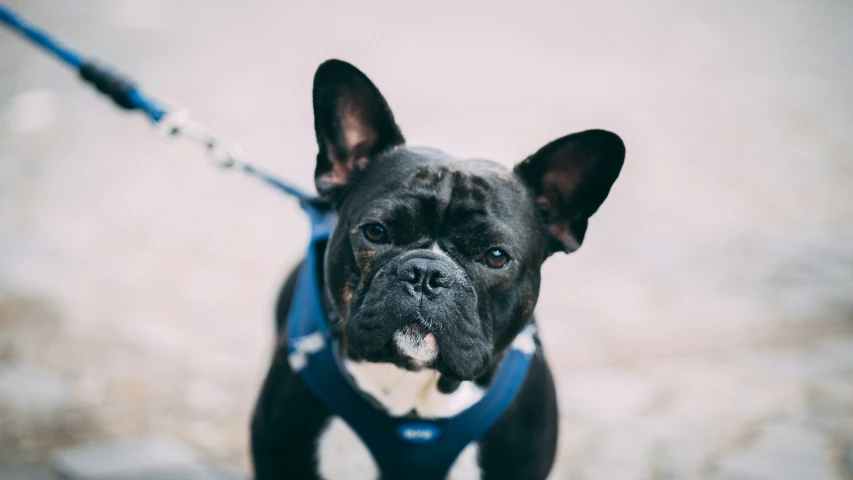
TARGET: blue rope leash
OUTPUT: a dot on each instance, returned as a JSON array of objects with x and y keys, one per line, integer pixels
[
  {"x": 38, "y": 37},
  {"x": 125, "y": 93},
  {"x": 118, "y": 87}
]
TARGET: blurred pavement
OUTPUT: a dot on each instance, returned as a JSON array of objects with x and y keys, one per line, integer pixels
[{"x": 704, "y": 330}]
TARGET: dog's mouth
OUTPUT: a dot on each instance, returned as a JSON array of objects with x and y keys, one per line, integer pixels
[
  {"x": 412, "y": 347},
  {"x": 417, "y": 344}
]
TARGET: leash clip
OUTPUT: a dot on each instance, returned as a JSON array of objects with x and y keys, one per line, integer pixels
[{"x": 222, "y": 151}]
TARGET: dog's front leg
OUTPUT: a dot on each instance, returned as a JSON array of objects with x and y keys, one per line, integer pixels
[{"x": 287, "y": 420}]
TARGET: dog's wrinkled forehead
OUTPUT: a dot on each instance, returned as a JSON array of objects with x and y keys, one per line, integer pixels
[
  {"x": 433, "y": 189},
  {"x": 428, "y": 173}
]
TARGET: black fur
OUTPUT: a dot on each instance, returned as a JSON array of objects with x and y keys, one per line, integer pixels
[{"x": 423, "y": 199}]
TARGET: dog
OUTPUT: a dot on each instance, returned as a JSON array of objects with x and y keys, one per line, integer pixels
[{"x": 430, "y": 274}]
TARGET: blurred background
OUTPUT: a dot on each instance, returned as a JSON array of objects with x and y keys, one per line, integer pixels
[{"x": 704, "y": 330}]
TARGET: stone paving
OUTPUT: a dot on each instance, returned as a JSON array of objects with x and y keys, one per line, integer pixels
[{"x": 704, "y": 330}]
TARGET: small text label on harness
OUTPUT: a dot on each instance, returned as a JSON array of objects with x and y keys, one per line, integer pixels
[{"x": 418, "y": 432}]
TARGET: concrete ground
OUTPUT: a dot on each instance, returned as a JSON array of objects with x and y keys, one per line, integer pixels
[{"x": 704, "y": 330}]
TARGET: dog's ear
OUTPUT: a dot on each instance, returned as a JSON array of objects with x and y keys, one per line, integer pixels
[
  {"x": 353, "y": 124},
  {"x": 570, "y": 178}
]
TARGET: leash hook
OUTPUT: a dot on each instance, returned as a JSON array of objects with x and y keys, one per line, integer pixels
[{"x": 222, "y": 151}]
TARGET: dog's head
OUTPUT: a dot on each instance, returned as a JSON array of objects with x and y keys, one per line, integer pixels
[{"x": 435, "y": 262}]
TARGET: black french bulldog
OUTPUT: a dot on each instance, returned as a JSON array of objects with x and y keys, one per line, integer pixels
[{"x": 430, "y": 274}]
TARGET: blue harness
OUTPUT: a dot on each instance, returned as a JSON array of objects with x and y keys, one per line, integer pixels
[{"x": 403, "y": 447}]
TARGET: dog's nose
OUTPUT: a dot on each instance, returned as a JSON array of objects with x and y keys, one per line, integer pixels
[{"x": 426, "y": 276}]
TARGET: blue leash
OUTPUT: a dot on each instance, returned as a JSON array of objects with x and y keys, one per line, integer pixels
[
  {"x": 122, "y": 90},
  {"x": 127, "y": 95}
]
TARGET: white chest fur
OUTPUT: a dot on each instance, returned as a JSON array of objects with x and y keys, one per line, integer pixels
[
  {"x": 340, "y": 453},
  {"x": 401, "y": 391}
]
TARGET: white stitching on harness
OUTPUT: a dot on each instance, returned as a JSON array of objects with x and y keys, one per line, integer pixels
[{"x": 303, "y": 347}]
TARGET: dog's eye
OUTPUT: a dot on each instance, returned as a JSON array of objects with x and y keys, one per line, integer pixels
[
  {"x": 496, "y": 258},
  {"x": 375, "y": 233}
]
